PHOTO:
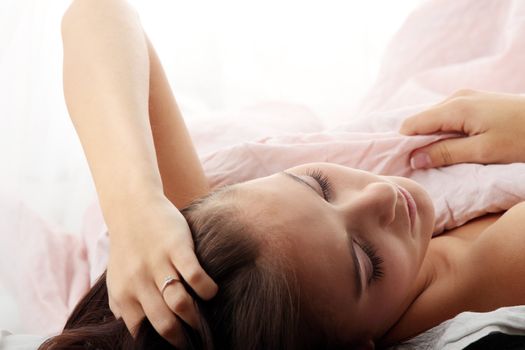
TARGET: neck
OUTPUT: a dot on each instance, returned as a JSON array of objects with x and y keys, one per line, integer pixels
[
  {"x": 431, "y": 268},
  {"x": 441, "y": 290}
]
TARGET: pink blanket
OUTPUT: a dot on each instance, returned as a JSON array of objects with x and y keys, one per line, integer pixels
[{"x": 442, "y": 47}]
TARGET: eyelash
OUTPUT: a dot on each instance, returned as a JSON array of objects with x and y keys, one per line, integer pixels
[
  {"x": 323, "y": 181},
  {"x": 368, "y": 248},
  {"x": 377, "y": 261}
]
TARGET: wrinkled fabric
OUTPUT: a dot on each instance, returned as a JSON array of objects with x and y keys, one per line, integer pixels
[{"x": 442, "y": 47}]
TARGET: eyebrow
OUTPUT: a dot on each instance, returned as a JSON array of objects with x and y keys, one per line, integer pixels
[{"x": 357, "y": 274}]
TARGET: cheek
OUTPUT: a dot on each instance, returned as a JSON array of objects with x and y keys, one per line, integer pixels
[
  {"x": 400, "y": 271},
  {"x": 403, "y": 263}
]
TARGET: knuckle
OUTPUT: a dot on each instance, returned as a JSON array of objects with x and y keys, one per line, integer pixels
[
  {"x": 181, "y": 304},
  {"x": 194, "y": 276},
  {"x": 166, "y": 326},
  {"x": 444, "y": 153},
  {"x": 464, "y": 92},
  {"x": 122, "y": 288},
  {"x": 113, "y": 306},
  {"x": 137, "y": 272},
  {"x": 462, "y": 106},
  {"x": 184, "y": 251},
  {"x": 118, "y": 293},
  {"x": 407, "y": 124}
]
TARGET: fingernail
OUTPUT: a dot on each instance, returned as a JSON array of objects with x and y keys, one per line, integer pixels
[{"x": 420, "y": 160}]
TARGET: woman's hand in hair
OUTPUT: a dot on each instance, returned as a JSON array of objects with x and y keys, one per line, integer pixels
[
  {"x": 493, "y": 125},
  {"x": 149, "y": 240}
]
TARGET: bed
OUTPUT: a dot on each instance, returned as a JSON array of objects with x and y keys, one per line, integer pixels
[{"x": 46, "y": 264}]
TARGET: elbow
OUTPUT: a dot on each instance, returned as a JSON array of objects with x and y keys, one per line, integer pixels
[
  {"x": 89, "y": 12},
  {"x": 78, "y": 11},
  {"x": 69, "y": 17}
]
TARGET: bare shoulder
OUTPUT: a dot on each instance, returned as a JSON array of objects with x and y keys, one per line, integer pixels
[
  {"x": 515, "y": 214},
  {"x": 470, "y": 265},
  {"x": 496, "y": 264},
  {"x": 508, "y": 227},
  {"x": 487, "y": 225}
]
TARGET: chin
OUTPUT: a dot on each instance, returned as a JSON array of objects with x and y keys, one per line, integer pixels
[
  {"x": 426, "y": 215},
  {"x": 427, "y": 211}
]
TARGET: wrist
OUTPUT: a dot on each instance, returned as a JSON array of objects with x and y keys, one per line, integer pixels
[{"x": 117, "y": 207}]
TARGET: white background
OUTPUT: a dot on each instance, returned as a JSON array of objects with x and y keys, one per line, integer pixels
[{"x": 219, "y": 56}]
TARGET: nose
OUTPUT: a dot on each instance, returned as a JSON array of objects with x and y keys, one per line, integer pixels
[{"x": 376, "y": 201}]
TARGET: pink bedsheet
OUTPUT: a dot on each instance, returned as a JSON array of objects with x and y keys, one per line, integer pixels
[{"x": 442, "y": 47}]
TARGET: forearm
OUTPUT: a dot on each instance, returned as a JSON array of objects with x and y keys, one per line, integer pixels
[
  {"x": 181, "y": 171},
  {"x": 106, "y": 83}
]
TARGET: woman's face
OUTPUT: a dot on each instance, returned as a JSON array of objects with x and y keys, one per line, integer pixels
[{"x": 354, "y": 247}]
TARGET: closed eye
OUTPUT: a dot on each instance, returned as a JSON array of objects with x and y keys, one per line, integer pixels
[{"x": 323, "y": 181}]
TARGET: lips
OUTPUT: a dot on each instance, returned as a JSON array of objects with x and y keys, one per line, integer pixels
[{"x": 410, "y": 206}]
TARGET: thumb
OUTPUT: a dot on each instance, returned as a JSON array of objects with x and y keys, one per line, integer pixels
[{"x": 447, "y": 152}]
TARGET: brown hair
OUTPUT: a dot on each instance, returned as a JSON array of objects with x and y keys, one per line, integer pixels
[{"x": 257, "y": 305}]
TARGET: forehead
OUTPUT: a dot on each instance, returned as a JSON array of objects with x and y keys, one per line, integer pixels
[
  {"x": 298, "y": 223},
  {"x": 284, "y": 205}
]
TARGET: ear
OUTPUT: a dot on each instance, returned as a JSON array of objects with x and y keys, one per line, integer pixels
[{"x": 365, "y": 344}]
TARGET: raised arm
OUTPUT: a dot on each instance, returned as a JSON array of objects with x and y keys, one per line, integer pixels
[
  {"x": 107, "y": 85},
  {"x": 181, "y": 171},
  {"x": 126, "y": 100}
]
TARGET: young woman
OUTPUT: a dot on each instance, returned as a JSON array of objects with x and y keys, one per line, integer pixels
[{"x": 317, "y": 256}]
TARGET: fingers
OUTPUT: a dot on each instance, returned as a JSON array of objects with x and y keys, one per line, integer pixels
[
  {"x": 160, "y": 309},
  {"x": 132, "y": 315},
  {"x": 161, "y": 317},
  {"x": 462, "y": 93},
  {"x": 192, "y": 272},
  {"x": 450, "y": 151},
  {"x": 447, "y": 116},
  {"x": 114, "y": 308},
  {"x": 181, "y": 303},
  {"x": 125, "y": 307}
]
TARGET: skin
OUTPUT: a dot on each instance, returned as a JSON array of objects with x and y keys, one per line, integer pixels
[
  {"x": 426, "y": 281},
  {"x": 142, "y": 160},
  {"x": 492, "y": 125},
  {"x": 131, "y": 131},
  {"x": 362, "y": 207},
  {"x": 141, "y": 128}
]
